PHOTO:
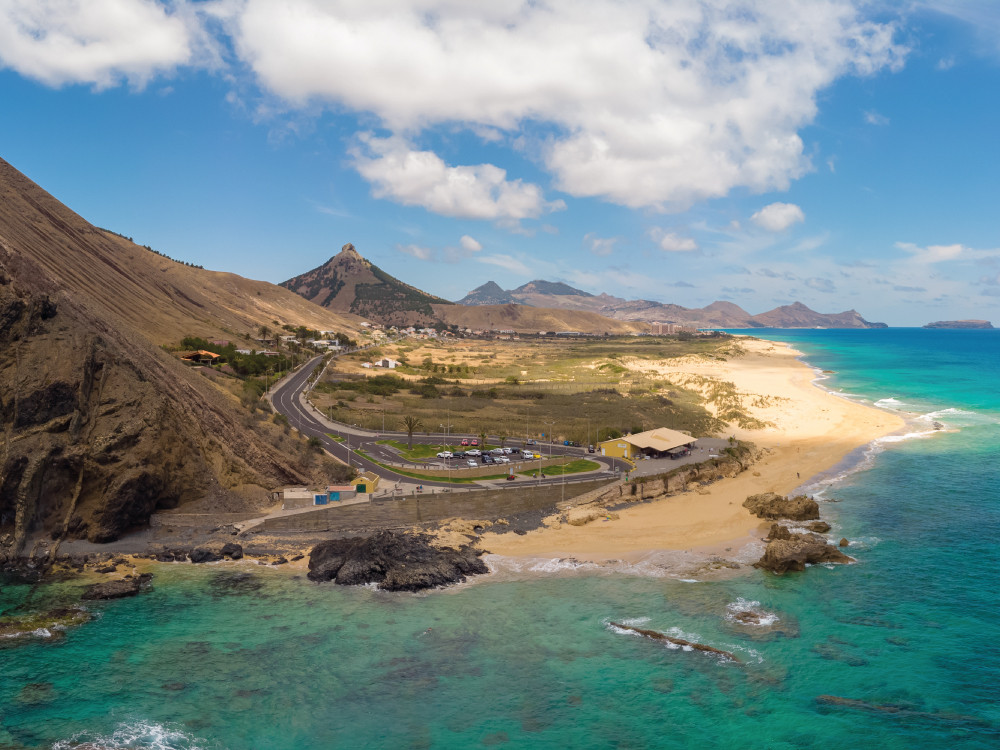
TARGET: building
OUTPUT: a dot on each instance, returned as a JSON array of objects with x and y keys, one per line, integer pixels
[
  {"x": 296, "y": 497},
  {"x": 200, "y": 356},
  {"x": 366, "y": 483},
  {"x": 389, "y": 364},
  {"x": 653, "y": 443}
]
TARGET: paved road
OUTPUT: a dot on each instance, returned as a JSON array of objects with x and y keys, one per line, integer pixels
[{"x": 285, "y": 399}]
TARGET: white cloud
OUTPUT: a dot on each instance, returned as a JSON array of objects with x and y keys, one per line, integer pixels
[
  {"x": 642, "y": 103},
  {"x": 417, "y": 251},
  {"x": 469, "y": 244},
  {"x": 821, "y": 285},
  {"x": 934, "y": 253},
  {"x": 777, "y": 217},
  {"x": 100, "y": 42},
  {"x": 600, "y": 245},
  {"x": 673, "y": 243},
  {"x": 506, "y": 262},
  {"x": 874, "y": 118},
  {"x": 421, "y": 178},
  {"x": 945, "y": 63}
]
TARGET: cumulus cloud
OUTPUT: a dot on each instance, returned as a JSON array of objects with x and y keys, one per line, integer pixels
[
  {"x": 933, "y": 253},
  {"x": 671, "y": 242},
  {"x": 469, "y": 244},
  {"x": 421, "y": 178},
  {"x": 777, "y": 217},
  {"x": 600, "y": 245},
  {"x": 417, "y": 251},
  {"x": 642, "y": 103},
  {"x": 100, "y": 42}
]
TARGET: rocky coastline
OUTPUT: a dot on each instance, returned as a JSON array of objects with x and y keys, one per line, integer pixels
[{"x": 790, "y": 551}]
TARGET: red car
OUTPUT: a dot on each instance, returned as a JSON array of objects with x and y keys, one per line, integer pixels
[
  {"x": 475, "y": 442},
  {"x": 465, "y": 441}
]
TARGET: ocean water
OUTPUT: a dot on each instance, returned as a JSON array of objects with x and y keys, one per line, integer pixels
[{"x": 243, "y": 657}]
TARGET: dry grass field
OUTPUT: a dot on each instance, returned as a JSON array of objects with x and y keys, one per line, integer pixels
[{"x": 577, "y": 389}]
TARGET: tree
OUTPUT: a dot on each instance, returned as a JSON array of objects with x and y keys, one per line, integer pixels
[
  {"x": 264, "y": 331},
  {"x": 482, "y": 438},
  {"x": 411, "y": 425},
  {"x": 502, "y": 433}
]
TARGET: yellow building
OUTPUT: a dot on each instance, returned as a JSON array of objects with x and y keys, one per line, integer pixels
[
  {"x": 366, "y": 483},
  {"x": 652, "y": 442}
]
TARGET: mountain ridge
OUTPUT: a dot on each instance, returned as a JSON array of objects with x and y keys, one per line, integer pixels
[{"x": 718, "y": 314}]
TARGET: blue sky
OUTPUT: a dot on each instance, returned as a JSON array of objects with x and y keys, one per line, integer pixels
[{"x": 844, "y": 154}]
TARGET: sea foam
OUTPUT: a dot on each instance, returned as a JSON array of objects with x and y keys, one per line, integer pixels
[{"x": 140, "y": 734}]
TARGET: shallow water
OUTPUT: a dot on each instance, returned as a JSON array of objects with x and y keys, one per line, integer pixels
[{"x": 245, "y": 657}]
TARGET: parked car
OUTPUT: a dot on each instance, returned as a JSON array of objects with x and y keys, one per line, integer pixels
[
  {"x": 475, "y": 441},
  {"x": 590, "y": 449},
  {"x": 513, "y": 450},
  {"x": 488, "y": 459},
  {"x": 474, "y": 452},
  {"x": 531, "y": 442},
  {"x": 497, "y": 451},
  {"x": 444, "y": 454},
  {"x": 508, "y": 451},
  {"x": 502, "y": 460},
  {"x": 472, "y": 463},
  {"x": 465, "y": 441},
  {"x": 458, "y": 454}
]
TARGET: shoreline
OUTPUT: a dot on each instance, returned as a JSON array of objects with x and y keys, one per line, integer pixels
[{"x": 812, "y": 432}]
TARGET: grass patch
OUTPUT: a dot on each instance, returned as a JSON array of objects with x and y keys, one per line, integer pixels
[
  {"x": 336, "y": 438},
  {"x": 573, "y": 467}
]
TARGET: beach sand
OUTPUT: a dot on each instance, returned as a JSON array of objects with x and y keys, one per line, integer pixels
[{"x": 810, "y": 431}]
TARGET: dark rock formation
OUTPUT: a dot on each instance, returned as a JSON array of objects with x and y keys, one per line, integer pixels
[
  {"x": 786, "y": 551},
  {"x": 232, "y": 550},
  {"x": 844, "y": 542},
  {"x": 204, "y": 555},
  {"x": 52, "y": 621},
  {"x": 118, "y": 589},
  {"x": 819, "y": 527},
  {"x": 395, "y": 561},
  {"x": 658, "y": 636},
  {"x": 772, "y": 506}
]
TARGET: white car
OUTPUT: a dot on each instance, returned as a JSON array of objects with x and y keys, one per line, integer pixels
[
  {"x": 507, "y": 451},
  {"x": 472, "y": 463},
  {"x": 444, "y": 454},
  {"x": 502, "y": 460},
  {"x": 497, "y": 451},
  {"x": 474, "y": 452}
]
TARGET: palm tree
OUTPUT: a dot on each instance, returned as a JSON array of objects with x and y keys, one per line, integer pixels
[
  {"x": 502, "y": 434},
  {"x": 411, "y": 425},
  {"x": 264, "y": 332},
  {"x": 482, "y": 439}
]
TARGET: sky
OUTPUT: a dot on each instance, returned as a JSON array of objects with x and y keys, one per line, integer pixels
[{"x": 842, "y": 153}]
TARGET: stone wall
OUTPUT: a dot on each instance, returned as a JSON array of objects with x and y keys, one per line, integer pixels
[{"x": 418, "y": 510}]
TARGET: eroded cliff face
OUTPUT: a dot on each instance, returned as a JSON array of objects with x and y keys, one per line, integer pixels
[{"x": 98, "y": 428}]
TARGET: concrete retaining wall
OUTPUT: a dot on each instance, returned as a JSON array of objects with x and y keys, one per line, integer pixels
[
  {"x": 199, "y": 519},
  {"x": 417, "y": 510}
]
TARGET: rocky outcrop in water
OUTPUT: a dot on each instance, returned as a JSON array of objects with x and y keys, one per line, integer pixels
[
  {"x": 393, "y": 560},
  {"x": 772, "y": 506},
  {"x": 787, "y": 551},
  {"x": 658, "y": 636},
  {"x": 118, "y": 589}
]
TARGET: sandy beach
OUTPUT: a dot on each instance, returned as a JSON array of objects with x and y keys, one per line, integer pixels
[{"x": 809, "y": 431}]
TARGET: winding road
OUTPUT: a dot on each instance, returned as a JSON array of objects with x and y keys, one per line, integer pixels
[{"x": 286, "y": 398}]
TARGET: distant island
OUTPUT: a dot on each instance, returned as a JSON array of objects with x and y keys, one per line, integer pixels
[{"x": 960, "y": 324}]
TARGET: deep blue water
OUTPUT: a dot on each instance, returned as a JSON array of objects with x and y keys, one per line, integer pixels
[{"x": 910, "y": 632}]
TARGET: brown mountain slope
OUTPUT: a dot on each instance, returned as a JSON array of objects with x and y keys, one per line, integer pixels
[
  {"x": 525, "y": 319},
  {"x": 99, "y": 427},
  {"x": 349, "y": 283},
  {"x": 163, "y": 299},
  {"x": 798, "y": 315}
]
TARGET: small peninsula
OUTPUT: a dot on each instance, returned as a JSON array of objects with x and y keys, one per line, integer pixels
[{"x": 967, "y": 324}]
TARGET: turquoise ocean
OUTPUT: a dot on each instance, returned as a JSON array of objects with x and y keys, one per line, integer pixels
[{"x": 243, "y": 657}]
